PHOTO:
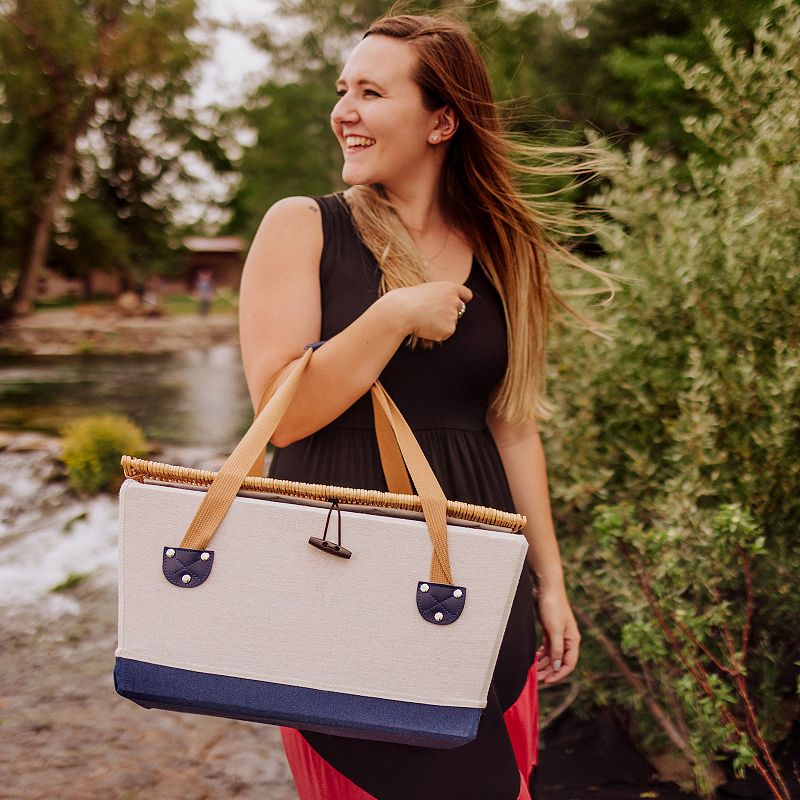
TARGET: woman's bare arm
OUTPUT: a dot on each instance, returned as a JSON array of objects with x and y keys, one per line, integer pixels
[
  {"x": 523, "y": 458},
  {"x": 280, "y": 312}
]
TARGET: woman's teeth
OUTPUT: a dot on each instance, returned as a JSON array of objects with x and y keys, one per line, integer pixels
[{"x": 359, "y": 141}]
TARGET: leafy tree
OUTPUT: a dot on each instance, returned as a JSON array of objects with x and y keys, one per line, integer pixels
[
  {"x": 612, "y": 71},
  {"x": 122, "y": 221},
  {"x": 295, "y": 151},
  {"x": 94, "y": 100}
]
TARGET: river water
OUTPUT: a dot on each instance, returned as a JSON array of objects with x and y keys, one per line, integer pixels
[
  {"x": 196, "y": 398},
  {"x": 194, "y": 404}
]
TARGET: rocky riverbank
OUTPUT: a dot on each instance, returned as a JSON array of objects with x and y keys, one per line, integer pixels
[
  {"x": 65, "y": 732},
  {"x": 97, "y": 329}
]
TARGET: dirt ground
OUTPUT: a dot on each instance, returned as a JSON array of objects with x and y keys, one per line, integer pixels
[{"x": 66, "y": 734}]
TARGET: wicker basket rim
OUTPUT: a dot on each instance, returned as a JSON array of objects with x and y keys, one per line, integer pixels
[{"x": 142, "y": 469}]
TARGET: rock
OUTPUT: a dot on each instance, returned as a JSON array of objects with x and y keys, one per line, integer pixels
[{"x": 28, "y": 441}]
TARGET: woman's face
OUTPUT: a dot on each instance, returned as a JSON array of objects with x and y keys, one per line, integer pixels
[{"x": 379, "y": 100}]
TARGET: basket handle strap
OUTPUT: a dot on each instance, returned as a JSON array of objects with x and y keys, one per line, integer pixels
[
  {"x": 394, "y": 468},
  {"x": 228, "y": 481},
  {"x": 434, "y": 502}
]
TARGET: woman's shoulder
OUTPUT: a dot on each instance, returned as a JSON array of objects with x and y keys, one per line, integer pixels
[
  {"x": 299, "y": 208},
  {"x": 290, "y": 231},
  {"x": 324, "y": 220},
  {"x": 290, "y": 208}
]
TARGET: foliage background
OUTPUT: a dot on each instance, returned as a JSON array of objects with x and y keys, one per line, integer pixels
[{"x": 674, "y": 454}]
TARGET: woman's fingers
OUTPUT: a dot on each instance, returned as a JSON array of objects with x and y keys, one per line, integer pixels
[
  {"x": 568, "y": 663},
  {"x": 544, "y": 666},
  {"x": 558, "y": 653},
  {"x": 555, "y": 670},
  {"x": 571, "y": 646}
]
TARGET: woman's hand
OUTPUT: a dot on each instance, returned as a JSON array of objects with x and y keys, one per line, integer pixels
[
  {"x": 558, "y": 653},
  {"x": 429, "y": 310}
]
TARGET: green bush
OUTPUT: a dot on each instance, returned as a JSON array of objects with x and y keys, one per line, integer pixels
[
  {"x": 92, "y": 447},
  {"x": 675, "y": 452}
]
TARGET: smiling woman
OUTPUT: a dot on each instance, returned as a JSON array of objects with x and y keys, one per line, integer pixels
[
  {"x": 376, "y": 89},
  {"x": 430, "y": 273}
]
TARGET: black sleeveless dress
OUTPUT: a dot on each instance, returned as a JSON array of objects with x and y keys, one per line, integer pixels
[{"x": 443, "y": 393}]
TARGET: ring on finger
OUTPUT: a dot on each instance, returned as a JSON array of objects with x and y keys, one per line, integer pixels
[{"x": 462, "y": 309}]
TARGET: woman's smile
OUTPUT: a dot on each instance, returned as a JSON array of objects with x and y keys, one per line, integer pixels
[{"x": 354, "y": 144}]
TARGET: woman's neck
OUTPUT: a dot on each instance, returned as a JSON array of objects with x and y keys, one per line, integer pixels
[{"x": 418, "y": 206}]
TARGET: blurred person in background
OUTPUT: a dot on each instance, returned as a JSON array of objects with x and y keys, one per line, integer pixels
[{"x": 204, "y": 290}]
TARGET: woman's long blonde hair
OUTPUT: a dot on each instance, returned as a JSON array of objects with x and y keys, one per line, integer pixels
[{"x": 507, "y": 228}]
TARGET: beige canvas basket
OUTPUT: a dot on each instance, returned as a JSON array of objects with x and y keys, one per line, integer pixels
[{"x": 281, "y": 623}]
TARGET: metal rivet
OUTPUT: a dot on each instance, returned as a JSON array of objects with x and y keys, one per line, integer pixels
[
  {"x": 186, "y": 578},
  {"x": 438, "y": 616},
  {"x": 424, "y": 587},
  {"x": 457, "y": 593},
  {"x": 204, "y": 556},
  {"x": 170, "y": 553}
]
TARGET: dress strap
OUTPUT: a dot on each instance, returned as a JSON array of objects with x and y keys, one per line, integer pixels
[{"x": 341, "y": 242}]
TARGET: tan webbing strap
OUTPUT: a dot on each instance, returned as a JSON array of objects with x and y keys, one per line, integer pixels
[
  {"x": 257, "y": 470},
  {"x": 434, "y": 502},
  {"x": 394, "y": 468},
  {"x": 231, "y": 475},
  {"x": 228, "y": 481}
]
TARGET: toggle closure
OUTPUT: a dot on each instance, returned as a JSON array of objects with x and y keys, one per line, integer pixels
[{"x": 329, "y": 547}]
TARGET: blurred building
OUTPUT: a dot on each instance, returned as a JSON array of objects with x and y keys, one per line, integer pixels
[{"x": 223, "y": 255}]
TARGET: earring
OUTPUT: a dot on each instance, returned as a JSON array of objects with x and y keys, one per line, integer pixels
[{"x": 435, "y": 137}]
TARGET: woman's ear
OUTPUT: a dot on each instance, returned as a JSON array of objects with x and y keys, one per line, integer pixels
[{"x": 446, "y": 125}]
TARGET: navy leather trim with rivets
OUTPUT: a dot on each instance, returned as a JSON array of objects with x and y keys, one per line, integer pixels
[
  {"x": 440, "y": 603},
  {"x": 180, "y": 562}
]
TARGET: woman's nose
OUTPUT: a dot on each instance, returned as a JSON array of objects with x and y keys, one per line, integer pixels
[{"x": 343, "y": 112}]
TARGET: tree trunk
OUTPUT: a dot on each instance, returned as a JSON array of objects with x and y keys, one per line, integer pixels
[{"x": 25, "y": 289}]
